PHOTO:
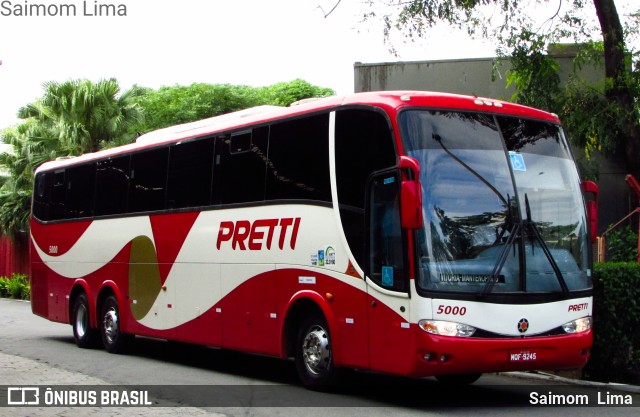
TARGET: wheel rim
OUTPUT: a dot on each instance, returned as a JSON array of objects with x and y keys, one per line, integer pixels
[
  {"x": 82, "y": 320},
  {"x": 110, "y": 325},
  {"x": 316, "y": 352}
]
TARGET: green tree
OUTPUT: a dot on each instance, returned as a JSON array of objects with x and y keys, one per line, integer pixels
[
  {"x": 71, "y": 118},
  {"x": 286, "y": 93},
  {"x": 168, "y": 106},
  {"x": 29, "y": 148},
  {"x": 523, "y": 40}
]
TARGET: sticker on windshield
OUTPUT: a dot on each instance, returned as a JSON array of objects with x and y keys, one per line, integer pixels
[{"x": 517, "y": 161}]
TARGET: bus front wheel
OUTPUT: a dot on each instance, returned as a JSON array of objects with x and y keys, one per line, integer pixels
[
  {"x": 314, "y": 359},
  {"x": 113, "y": 339},
  {"x": 84, "y": 335}
]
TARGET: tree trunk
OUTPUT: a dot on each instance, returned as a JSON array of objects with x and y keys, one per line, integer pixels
[{"x": 617, "y": 69}]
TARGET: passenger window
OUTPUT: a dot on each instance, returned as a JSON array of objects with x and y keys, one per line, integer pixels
[
  {"x": 298, "y": 167},
  {"x": 239, "y": 177},
  {"x": 190, "y": 174},
  {"x": 80, "y": 191},
  {"x": 57, "y": 208},
  {"x": 41, "y": 200},
  {"x": 148, "y": 180},
  {"x": 112, "y": 186},
  {"x": 363, "y": 145}
]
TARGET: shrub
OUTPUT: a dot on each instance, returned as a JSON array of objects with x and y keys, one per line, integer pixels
[
  {"x": 15, "y": 287},
  {"x": 615, "y": 355},
  {"x": 622, "y": 245}
]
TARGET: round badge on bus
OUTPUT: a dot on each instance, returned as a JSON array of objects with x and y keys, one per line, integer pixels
[{"x": 523, "y": 325}]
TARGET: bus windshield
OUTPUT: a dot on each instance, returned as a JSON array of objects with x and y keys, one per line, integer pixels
[{"x": 502, "y": 206}]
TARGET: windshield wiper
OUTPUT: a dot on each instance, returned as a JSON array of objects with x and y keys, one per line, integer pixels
[
  {"x": 538, "y": 236},
  {"x": 534, "y": 233},
  {"x": 438, "y": 139},
  {"x": 502, "y": 258}
]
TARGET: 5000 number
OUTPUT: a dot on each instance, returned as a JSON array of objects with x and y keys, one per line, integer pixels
[{"x": 455, "y": 310}]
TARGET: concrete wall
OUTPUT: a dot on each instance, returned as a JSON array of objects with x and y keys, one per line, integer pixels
[{"x": 469, "y": 76}]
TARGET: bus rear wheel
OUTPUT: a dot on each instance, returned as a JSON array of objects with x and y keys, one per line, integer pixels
[
  {"x": 314, "y": 359},
  {"x": 113, "y": 339},
  {"x": 84, "y": 335}
]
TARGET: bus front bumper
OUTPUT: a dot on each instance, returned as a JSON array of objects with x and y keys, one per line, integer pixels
[{"x": 442, "y": 355}]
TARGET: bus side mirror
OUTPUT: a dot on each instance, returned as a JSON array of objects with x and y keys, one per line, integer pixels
[
  {"x": 410, "y": 195},
  {"x": 590, "y": 190}
]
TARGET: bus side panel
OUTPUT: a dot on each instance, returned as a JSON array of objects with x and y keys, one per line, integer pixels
[
  {"x": 249, "y": 313},
  {"x": 389, "y": 337},
  {"x": 49, "y": 292},
  {"x": 39, "y": 287}
]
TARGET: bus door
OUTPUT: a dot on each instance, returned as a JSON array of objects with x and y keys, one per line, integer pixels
[{"x": 387, "y": 277}]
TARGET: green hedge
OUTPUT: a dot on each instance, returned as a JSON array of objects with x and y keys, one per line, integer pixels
[
  {"x": 15, "y": 287},
  {"x": 615, "y": 355}
]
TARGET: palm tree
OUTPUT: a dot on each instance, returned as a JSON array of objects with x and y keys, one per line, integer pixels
[
  {"x": 71, "y": 118},
  {"x": 85, "y": 116}
]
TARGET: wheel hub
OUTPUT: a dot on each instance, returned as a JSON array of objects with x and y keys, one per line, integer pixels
[
  {"x": 316, "y": 351},
  {"x": 110, "y": 325},
  {"x": 81, "y": 321}
]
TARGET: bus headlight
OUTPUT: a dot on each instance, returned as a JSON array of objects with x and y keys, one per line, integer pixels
[
  {"x": 446, "y": 328},
  {"x": 577, "y": 326}
]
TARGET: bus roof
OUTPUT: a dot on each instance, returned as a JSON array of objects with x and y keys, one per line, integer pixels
[{"x": 389, "y": 100}]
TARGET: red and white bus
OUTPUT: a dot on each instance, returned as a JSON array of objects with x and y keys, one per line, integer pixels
[{"x": 412, "y": 233}]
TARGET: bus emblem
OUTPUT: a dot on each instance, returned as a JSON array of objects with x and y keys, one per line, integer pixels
[{"x": 523, "y": 325}]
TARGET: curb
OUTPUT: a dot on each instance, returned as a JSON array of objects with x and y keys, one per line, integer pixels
[{"x": 555, "y": 378}]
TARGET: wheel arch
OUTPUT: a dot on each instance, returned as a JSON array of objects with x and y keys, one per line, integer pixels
[{"x": 303, "y": 304}]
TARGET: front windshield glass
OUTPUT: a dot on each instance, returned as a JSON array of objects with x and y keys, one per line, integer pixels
[{"x": 502, "y": 207}]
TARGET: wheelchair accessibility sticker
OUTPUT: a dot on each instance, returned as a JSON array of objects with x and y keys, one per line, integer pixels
[{"x": 517, "y": 161}]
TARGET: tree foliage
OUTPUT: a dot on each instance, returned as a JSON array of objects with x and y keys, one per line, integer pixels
[
  {"x": 178, "y": 104},
  {"x": 83, "y": 115},
  {"x": 71, "y": 118}
]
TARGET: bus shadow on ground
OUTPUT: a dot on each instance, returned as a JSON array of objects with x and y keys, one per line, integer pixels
[
  {"x": 272, "y": 382},
  {"x": 278, "y": 384}
]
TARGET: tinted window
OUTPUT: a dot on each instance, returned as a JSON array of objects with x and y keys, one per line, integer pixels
[
  {"x": 190, "y": 174},
  {"x": 240, "y": 176},
  {"x": 42, "y": 195},
  {"x": 57, "y": 209},
  {"x": 148, "y": 180},
  {"x": 299, "y": 160},
  {"x": 364, "y": 145},
  {"x": 112, "y": 184},
  {"x": 80, "y": 186}
]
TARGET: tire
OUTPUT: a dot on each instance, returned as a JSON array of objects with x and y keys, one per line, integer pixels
[
  {"x": 458, "y": 379},
  {"x": 113, "y": 340},
  {"x": 314, "y": 358},
  {"x": 84, "y": 335}
]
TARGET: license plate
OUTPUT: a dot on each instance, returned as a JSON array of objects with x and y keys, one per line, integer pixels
[{"x": 523, "y": 356}]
